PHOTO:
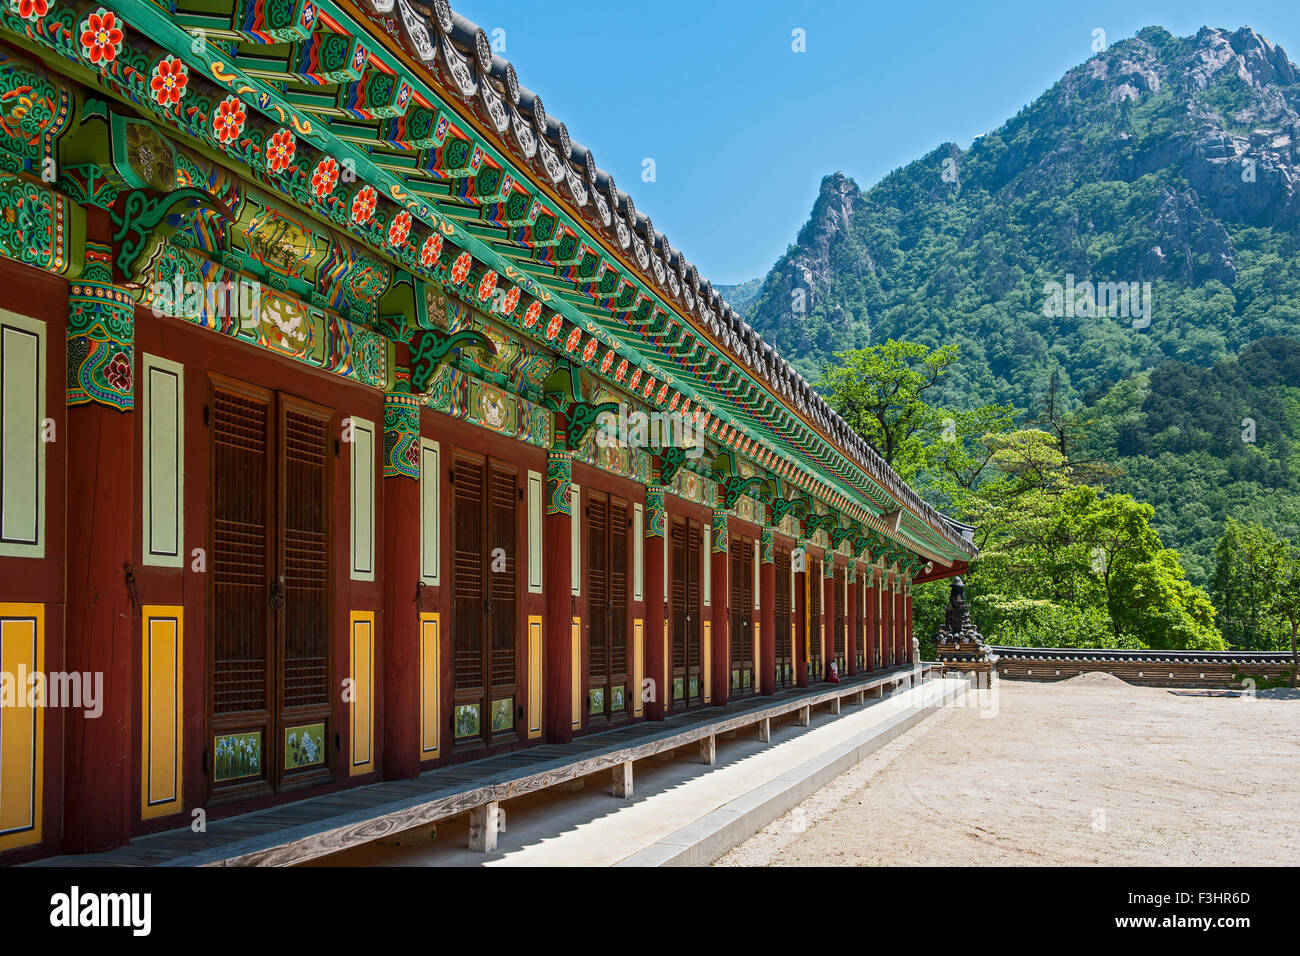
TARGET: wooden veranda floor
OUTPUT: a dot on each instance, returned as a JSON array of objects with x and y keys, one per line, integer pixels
[{"x": 317, "y": 826}]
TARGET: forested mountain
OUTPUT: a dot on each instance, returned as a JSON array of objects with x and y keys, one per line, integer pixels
[{"x": 1133, "y": 230}]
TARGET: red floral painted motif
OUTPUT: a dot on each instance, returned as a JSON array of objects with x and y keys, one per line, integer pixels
[
  {"x": 649, "y": 387},
  {"x": 170, "y": 77},
  {"x": 553, "y": 327},
  {"x": 575, "y": 337},
  {"x": 460, "y": 268},
  {"x": 589, "y": 352},
  {"x": 228, "y": 121},
  {"x": 280, "y": 150},
  {"x": 430, "y": 250},
  {"x": 118, "y": 372},
  {"x": 607, "y": 361},
  {"x": 672, "y": 403},
  {"x": 32, "y": 9},
  {"x": 363, "y": 205},
  {"x": 325, "y": 177},
  {"x": 486, "y": 285},
  {"x": 662, "y": 396},
  {"x": 412, "y": 454},
  {"x": 399, "y": 228},
  {"x": 101, "y": 36},
  {"x": 621, "y": 373},
  {"x": 511, "y": 301},
  {"x": 636, "y": 380},
  {"x": 532, "y": 314}
]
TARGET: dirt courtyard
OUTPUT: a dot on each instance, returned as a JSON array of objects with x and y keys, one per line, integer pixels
[{"x": 1085, "y": 771}]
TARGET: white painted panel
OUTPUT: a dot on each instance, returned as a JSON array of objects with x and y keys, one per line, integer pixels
[
  {"x": 430, "y": 512},
  {"x": 363, "y": 499},
  {"x": 162, "y": 404},
  {"x": 22, "y": 448},
  {"x": 708, "y": 565},
  {"x": 758, "y": 554},
  {"x": 575, "y": 539},
  {"x": 536, "y": 488},
  {"x": 638, "y": 553}
]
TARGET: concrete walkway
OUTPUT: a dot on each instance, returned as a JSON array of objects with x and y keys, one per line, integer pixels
[{"x": 683, "y": 812}]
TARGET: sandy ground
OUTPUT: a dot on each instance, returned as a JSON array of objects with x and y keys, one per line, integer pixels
[{"x": 1085, "y": 771}]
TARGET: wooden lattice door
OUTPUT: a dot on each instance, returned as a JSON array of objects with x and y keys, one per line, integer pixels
[
  {"x": 742, "y": 617},
  {"x": 269, "y": 622},
  {"x": 816, "y": 633},
  {"x": 607, "y": 610},
  {"x": 841, "y": 622},
  {"x": 686, "y": 688},
  {"x": 484, "y": 620},
  {"x": 784, "y": 638}
]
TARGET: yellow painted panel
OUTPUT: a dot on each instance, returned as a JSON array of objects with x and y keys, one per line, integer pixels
[
  {"x": 22, "y": 728},
  {"x": 638, "y": 665},
  {"x": 430, "y": 684},
  {"x": 575, "y": 664},
  {"x": 665, "y": 683},
  {"x": 534, "y": 676},
  {"x": 708, "y": 660},
  {"x": 162, "y": 728},
  {"x": 758, "y": 656},
  {"x": 361, "y": 714}
]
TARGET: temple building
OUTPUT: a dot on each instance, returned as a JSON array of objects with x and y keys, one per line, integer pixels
[{"x": 355, "y": 424}]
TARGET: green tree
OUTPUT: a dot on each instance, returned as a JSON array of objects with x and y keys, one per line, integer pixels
[
  {"x": 1248, "y": 562},
  {"x": 1287, "y": 600},
  {"x": 880, "y": 392}
]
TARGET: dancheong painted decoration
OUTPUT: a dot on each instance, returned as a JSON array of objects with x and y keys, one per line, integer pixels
[{"x": 391, "y": 434}]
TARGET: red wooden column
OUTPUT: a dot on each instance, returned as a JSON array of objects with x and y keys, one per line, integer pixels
[
  {"x": 907, "y": 628},
  {"x": 828, "y": 611},
  {"x": 869, "y": 655},
  {"x": 557, "y": 578},
  {"x": 656, "y": 663},
  {"x": 851, "y": 618},
  {"x": 799, "y": 560},
  {"x": 103, "y": 620},
  {"x": 401, "y": 638},
  {"x": 886, "y": 620},
  {"x": 900, "y": 654},
  {"x": 767, "y": 610},
  {"x": 720, "y": 581}
]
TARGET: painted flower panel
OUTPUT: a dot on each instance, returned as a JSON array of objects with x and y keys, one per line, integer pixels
[
  {"x": 460, "y": 268},
  {"x": 363, "y": 205},
  {"x": 511, "y": 301},
  {"x": 169, "y": 81},
  {"x": 430, "y": 250},
  {"x": 533, "y": 313},
  {"x": 118, "y": 372},
  {"x": 101, "y": 36},
  {"x": 486, "y": 285},
  {"x": 228, "y": 120},
  {"x": 399, "y": 228},
  {"x": 32, "y": 9},
  {"x": 325, "y": 177},
  {"x": 280, "y": 150}
]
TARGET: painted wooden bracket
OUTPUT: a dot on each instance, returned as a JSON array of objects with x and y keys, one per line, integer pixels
[
  {"x": 430, "y": 348},
  {"x": 670, "y": 462},
  {"x": 735, "y": 486},
  {"x": 143, "y": 210},
  {"x": 783, "y": 506}
]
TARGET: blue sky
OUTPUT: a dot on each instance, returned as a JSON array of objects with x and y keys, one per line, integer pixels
[{"x": 742, "y": 129}]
